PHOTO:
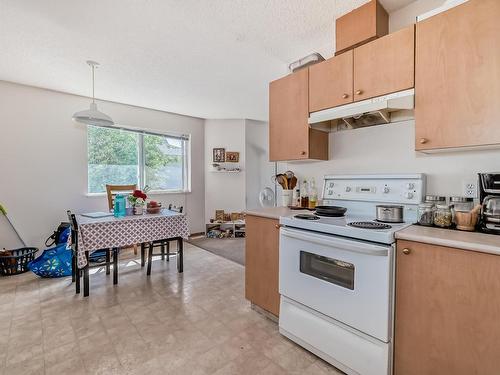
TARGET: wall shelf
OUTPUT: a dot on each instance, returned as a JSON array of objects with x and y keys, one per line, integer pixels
[{"x": 216, "y": 171}]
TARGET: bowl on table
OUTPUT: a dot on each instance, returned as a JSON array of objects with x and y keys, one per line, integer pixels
[{"x": 153, "y": 208}]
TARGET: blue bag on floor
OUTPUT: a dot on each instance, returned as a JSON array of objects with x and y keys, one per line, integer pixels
[{"x": 54, "y": 262}]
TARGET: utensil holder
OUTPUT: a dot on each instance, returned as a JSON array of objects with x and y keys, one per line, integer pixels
[
  {"x": 286, "y": 198},
  {"x": 466, "y": 220}
]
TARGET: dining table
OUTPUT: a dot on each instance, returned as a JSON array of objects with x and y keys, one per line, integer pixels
[{"x": 110, "y": 232}]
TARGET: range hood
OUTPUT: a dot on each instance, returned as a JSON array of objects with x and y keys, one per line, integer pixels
[{"x": 368, "y": 112}]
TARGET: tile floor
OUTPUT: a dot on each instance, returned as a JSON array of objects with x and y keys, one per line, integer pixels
[{"x": 195, "y": 323}]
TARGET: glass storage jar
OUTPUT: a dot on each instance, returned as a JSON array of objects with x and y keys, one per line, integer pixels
[
  {"x": 461, "y": 203},
  {"x": 435, "y": 199},
  {"x": 443, "y": 216},
  {"x": 426, "y": 214}
]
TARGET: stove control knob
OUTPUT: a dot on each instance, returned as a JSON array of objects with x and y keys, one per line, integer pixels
[
  {"x": 408, "y": 195},
  {"x": 348, "y": 189},
  {"x": 386, "y": 190},
  {"x": 410, "y": 185}
]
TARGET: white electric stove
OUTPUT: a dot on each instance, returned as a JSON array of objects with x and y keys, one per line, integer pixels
[{"x": 336, "y": 280}]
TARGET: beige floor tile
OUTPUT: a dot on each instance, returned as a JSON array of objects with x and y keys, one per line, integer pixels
[
  {"x": 71, "y": 365},
  {"x": 195, "y": 323},
  {"x": 61, "y": 353},
  {"x": 102, "y": 361},
  {"x": 273, "y": 369},
  {"x": 17, "y": 355},
  {"x": 34, "y": 366},
  {"x": 294, "y": 360},
  {"x": 251, "y": 363}
]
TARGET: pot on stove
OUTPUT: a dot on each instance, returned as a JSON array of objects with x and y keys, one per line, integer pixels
[{"x": 390, "y": 213}]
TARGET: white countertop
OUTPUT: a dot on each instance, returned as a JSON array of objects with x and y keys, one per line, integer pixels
[
  {"x": 485, "y": 243},
  {"x": 273, "y": 212}
]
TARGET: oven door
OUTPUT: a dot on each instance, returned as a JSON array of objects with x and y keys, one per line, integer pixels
[{"x": 347, "y": 280}]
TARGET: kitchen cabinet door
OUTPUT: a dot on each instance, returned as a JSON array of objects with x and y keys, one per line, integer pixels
[
  {"x": 385, "y": 65},
  {"x": 457, "y": 82},
  {"x": 362, "y": 25},
  {"x": 290, "y": 137},
  {"x": 330, "y": 82},
  {"x": 261, "y": 263},
  {"x": 447, "y": 311}
]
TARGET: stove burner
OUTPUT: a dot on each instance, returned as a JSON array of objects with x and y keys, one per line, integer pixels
[
  {"x": 306, "y": 217},
  {"x": 369, "y": 225}
]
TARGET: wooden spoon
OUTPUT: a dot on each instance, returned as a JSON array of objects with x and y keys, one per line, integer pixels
[{"x": 281, "y": 179}]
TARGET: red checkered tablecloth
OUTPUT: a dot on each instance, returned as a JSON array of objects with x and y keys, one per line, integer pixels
[{"x": 109, "y": 232}]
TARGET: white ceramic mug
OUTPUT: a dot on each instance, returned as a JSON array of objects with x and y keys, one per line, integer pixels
[{"x": 286, "y": 198}]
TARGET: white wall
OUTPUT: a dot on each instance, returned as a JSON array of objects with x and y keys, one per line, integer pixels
[
  {"x": 259, "y": 169},
  {"x": 390, "y": 148},
  {"x": 43, "y": 157},
  {"x": 224, "y": 191},
  {"x": 406, "y": 16}
]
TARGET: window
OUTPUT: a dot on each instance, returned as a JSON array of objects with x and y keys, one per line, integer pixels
[{"x": 122, "y": 156}]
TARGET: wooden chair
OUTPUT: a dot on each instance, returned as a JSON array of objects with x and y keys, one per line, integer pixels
[
  {"x": 162, "y": 244},
  {"x": 76, "y": 272},
  {"x": 112, "y": 191}
]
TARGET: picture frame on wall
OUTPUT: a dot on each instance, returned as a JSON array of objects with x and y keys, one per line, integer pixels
[
  {"x": 232, "y": 157},
  {"x": 219, "y": 155}
]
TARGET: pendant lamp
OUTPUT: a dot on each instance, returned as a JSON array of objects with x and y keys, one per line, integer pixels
[{"x": 92, "y": 116}]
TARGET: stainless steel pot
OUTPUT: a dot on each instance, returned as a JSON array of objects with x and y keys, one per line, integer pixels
[{"x": 390, "y": 213}]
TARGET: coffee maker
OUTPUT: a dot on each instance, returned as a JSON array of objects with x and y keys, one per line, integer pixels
[{"x": 489, "y": 195}]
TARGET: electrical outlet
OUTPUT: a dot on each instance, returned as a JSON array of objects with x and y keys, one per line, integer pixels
[{"x": 470, "y": 189}]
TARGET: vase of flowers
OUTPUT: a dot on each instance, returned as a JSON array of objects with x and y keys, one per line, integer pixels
[{"x": 138, "y": 200}]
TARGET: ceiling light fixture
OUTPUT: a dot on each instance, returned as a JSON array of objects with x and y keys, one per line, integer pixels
[{"x": 92, "y": 116}]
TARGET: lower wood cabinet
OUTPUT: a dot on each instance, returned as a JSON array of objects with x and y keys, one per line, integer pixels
[
  {"x": 261, "y": 263},
  {"x": 447, "y": 311}
]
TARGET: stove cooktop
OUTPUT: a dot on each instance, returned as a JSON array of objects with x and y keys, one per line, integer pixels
[
  {"x": 348, "y": 226},
  {"x": 358, "y": 197}
]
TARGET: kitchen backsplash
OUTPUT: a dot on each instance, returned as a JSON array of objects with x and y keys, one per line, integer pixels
[{"x": 390, "y": 149}]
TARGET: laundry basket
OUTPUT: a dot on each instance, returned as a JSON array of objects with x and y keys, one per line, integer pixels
[{"x": 13, "y": 262}]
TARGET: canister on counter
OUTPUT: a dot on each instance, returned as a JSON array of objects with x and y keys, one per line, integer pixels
[
  {"x": 426, "y": 214},
  {"x": 435, "y": 199},
  {"x": 442, "y": 216},
  {"x": 461, "y": 203}
]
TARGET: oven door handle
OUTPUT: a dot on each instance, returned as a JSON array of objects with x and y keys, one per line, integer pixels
[{"x": 342, "y": 244}]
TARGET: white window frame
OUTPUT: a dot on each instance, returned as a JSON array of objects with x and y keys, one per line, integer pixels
[{"x": 186, "y": 161}]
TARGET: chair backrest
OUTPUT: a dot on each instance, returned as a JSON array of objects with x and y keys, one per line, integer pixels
[
  {"x": 113, "y": 190},
  {"x": 74, "y": 230},
  {"x": 178, "y": 209}
]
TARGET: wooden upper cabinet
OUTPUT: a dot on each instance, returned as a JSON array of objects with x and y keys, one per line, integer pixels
[
  {"x": 447, "y": 310},
  {"x": 385, "y": 65},
  {"x": 330, "y": 82},
  {"x": 363, "y": 24},
  {"x": 290, "y": 137},
  {"x": 457, "y": 86},
  {"x": 262, "y": 263}
]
